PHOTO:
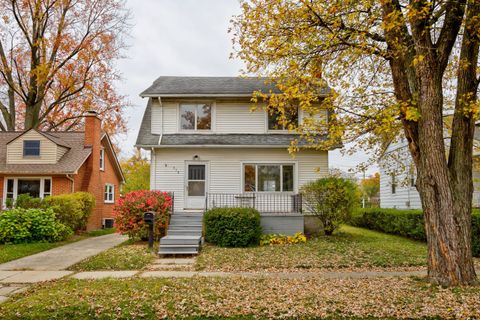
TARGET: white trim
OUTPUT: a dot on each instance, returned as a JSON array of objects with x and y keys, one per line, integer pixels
[
  {"x": 15, "y": 186},
  {"x": 105, "y": 193}
]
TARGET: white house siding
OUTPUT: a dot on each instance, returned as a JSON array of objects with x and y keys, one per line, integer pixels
[
  {"x": 156, "y": 117},
  {"x": 238, "y": 118},
  {"x": 405, "y": 197},
  {"x": 48, "y": 150},
  {"x": 225, "y": 167},
  {"x": 170, "y": 117}
]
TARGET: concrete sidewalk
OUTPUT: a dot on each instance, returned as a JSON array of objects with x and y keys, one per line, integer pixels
[{"x": 65, "y": 256}]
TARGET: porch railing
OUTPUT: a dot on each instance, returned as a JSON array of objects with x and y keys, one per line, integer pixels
[{"x": 274, "y": 203}]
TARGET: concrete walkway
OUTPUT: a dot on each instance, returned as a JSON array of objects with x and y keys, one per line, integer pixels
[{"x": 65, "y": 256}]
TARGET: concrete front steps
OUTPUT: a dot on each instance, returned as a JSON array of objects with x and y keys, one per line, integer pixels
[{"x": 184, "y": 235}]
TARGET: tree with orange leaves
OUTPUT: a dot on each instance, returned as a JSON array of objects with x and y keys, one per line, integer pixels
[{"x": 57, "y": 62}]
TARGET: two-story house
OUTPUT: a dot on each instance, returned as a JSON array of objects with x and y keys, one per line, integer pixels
[
  {"x": 210, "y": 149},
  {"x": 43, "y": 164}
]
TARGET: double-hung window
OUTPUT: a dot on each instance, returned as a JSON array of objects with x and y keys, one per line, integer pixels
[
  {"x": 195, "y": 116},
  {"x": 109, "y": 193},
  {"x": 394, "y": 184},
  {"x": 268, "y": 177}
]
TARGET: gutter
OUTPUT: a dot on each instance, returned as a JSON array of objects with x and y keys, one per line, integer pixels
[{"x": 73, "y": 182}]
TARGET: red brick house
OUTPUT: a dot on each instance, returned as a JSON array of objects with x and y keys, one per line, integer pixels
[{"x": 51, "y": 163}]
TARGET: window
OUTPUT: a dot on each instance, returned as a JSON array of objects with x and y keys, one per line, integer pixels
[
  {"x": 394, "y": 184},
  {"x": 10, "y": 194},
  {"x": 35, "y": 187},
  {"x": 268, "y": 177},
  {"x": 275, "y": 116},
  {"x": 412, "y": 182},
  {"x": 102, "y": 159},
  {"x": 31, "y": 148},
  {"x": 109, "y": 193},
  {"x": 195, "y": 117}
]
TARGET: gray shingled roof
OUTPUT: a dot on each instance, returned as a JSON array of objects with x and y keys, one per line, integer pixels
[
  {"x": 282, "y": 140},
  {"x": 145, "y": 136},
  {"x": 69, "y": 163},
  {"x": 210, "y": 87}
]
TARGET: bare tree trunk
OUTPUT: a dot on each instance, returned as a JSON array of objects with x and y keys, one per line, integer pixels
[{"x": 446, "y": 204}]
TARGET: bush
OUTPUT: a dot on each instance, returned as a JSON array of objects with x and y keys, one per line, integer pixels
[
  {"x": 29, "y": 225},
  {"x": 232, "y": 227},
  {"x": 406, "y": 223},
  {"x": 272, "y": 239},
  {"x": 331, "y": 200},
  {"x": 72, "y": 209},
  {"x": 129, "y": 212},
  {"x": 26, "y": 201}
]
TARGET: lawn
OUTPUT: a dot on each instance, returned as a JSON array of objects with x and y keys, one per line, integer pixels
[
  {"x": 199, "y": 297},
  {"x": 9, "y": 252},
  {"x": 127, "y": 256},
  {"x": 350, "y": 249}
]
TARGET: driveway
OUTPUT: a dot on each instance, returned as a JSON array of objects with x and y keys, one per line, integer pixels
[{"x": 63, "y": 257}]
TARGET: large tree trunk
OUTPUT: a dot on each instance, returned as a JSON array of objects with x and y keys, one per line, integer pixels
[{"x": 446, "y": 204}]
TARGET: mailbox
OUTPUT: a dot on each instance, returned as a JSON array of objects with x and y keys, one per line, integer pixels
[{"x": 149, "y": 219}]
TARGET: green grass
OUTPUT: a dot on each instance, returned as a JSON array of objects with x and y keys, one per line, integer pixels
[
  {"x": 9, "y": 252},
  {"x": 127, "y": 256},
  {"x": 350, "y": 247},
  {"x": 240, "y": 298}
]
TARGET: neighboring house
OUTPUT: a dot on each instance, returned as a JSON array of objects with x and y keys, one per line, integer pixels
[
  {"x": 210, "y": 149},
  {"x": 51, "y": 163},
  {"x": 398, "y": 178}
]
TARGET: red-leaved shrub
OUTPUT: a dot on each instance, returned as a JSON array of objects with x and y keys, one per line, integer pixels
[{"x": 129, "y": 212}]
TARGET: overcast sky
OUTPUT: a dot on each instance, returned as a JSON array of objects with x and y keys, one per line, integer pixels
[{"x": 181, "y": 38}]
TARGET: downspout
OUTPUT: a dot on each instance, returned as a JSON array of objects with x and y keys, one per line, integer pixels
[{"x": 73, "y": 183}]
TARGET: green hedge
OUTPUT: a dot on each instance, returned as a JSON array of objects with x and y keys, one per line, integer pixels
[
  {"x": 21, "y": 225},
  {"x": 406, "y": 223},
  {"x": 232, "y": 227},
  {"x": 72, "y": 209}
]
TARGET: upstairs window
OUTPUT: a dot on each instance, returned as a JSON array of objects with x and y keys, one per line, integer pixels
[
  {"x": 195, "y": 117},
  {"x": 394, "y": 184},
  {"x": 102, "y": 159},
  {"x": 275, "y": 116},
  {"x": 31, "y": 148}
]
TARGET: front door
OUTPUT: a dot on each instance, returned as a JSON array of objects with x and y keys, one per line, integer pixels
[{"x": 196, "y": 185}]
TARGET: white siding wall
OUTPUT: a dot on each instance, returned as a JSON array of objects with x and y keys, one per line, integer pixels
[
  {"x": 405, "y": 196},
  {"x": 225, "y": 167},
  {"x": 227, "y": 117},
  {"x": 156, "y": 117},
  {"x": 170, "y": 117},
  {"x": 238, "y": 118},
  {"x": 48, "y": 150}
]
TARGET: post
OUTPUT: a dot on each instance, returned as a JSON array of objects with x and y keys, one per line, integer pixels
[{"x": 149, "y": 219}]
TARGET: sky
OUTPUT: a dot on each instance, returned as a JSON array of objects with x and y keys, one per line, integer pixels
[{"x": 182, "y": 38}]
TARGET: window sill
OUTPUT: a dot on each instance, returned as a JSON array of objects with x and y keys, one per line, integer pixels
[{"x": 109, "y": 202}]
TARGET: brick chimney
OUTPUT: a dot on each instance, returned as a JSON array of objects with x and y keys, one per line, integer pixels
[
  {"x": 93, "y": 130},
  {"x": 92, "y": 181}
]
